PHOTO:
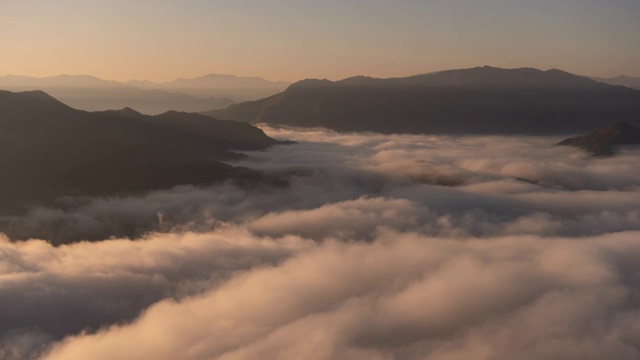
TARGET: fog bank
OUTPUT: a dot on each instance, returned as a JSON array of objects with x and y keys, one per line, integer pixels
[{"x": 381, "y": 247}]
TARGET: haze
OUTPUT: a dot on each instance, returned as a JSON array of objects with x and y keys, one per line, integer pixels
[{"x": 289, "y": 40}]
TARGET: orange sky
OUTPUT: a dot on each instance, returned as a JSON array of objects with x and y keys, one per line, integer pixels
[{"x": 290, "y": 40}]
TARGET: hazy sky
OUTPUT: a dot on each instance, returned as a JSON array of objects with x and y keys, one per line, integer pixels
[{"x": 289, "y": 40}]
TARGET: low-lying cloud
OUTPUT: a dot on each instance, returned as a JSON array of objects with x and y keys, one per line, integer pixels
[
  {"x": 379, "y": 247},
  {"x": 402, "y": 295}
]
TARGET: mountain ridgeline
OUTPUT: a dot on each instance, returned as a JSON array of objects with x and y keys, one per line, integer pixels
[
  {"x": 52, "y": 150},
  {"x": 219, "y": 86},
  {"x": 483, "y": 100},
  {"x": 628, "y": 81},
  {"x": 604, "y": 142},
  {"x": 93, "y": 94},
  {"x": 86, "y": 92}
]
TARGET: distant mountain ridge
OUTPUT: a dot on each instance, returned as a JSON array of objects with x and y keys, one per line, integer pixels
[
  {"x": 52, "y": 150},
  {"x": 481, "y": 100},
  {"x": 90, "y": 93},
  {"x": 87, "y": 92},
  {"x": 64, "y": 81},
  {"x": 219, "y": 85},
  {"x": 223, "y": 80},
  {"x": 622, "y": 80}
]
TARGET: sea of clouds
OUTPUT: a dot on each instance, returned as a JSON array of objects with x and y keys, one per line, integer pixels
[{"x": 375, "y": 247}]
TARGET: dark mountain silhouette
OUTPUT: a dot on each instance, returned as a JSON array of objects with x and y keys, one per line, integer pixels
[
  {"x": 50, "y": 150},
  {"x": 483, "y": 100},
  {"x": 604, "y": 141},
  {"x": 622, "y": 80},
  {"x": 219, "y": 86},
  {"x": 93, "y": 94}
]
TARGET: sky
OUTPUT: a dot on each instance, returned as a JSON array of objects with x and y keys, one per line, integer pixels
[{"x": 289, "y": 40}]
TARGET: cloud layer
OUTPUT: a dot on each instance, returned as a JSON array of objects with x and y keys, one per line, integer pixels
[
  {"x": 379, "y": 247},
  {"x": 402, "y": 296}
]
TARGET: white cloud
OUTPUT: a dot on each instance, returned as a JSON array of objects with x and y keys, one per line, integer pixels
[
  {"x": 402, "y": 296},
  {"x": 528, "y": 251}
]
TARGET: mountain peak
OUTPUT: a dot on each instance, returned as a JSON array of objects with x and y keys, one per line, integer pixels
[
  {"x": 309, "y": 83},
  {"x": 38, "y": 93},
  {"x": 603, "y": 142},
  {"x": 128, "y": 110},
  {"x": 41, "y": 96}
]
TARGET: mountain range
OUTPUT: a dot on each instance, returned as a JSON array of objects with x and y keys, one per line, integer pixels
[
  {"x": 481, "y": 100},
  {"x": 622, "y": 80},
  {"x": 191, "y": 95},
  {"x": 52, "y": 150},
  {"x": 220, "y": 86},
  {"x": 55, "y": 150}
]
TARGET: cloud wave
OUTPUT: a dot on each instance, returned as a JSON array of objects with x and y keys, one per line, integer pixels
[{"x": 378, "y": 247}]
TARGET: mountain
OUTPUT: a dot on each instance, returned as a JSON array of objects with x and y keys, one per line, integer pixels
[
  {"x": 93, "y": 94},
  {"x": 51, "y": 150},
  {"x": 225, "y": 81},
  {"x": 482, "y": 100},
  {"x": 628, "y": 81},
  {"x": 219, "y": 86},
  {"x": 59, "y": 81},
  {"x": 604, "y": 141}
]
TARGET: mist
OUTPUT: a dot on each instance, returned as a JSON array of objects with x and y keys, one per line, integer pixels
[{"x": 375, "y": 246}]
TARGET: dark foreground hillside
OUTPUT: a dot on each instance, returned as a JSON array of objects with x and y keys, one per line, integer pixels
[
  {"x": 482, "y": 100},
  {"x": 50, "y": 150}
]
